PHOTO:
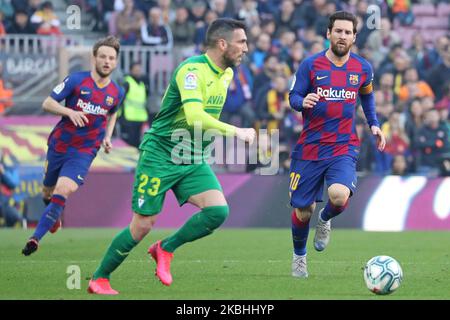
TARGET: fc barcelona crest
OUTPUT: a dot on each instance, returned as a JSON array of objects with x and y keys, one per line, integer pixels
[
  {"x": 354, "y": 79},
  {"x": 109, "y": 100}
]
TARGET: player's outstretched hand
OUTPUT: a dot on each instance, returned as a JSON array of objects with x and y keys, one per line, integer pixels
[
  {"x": 246, "y": 134},
  {"x": 107, "y": 145},
  {"x": 381, "y": 140},
  {"x": 310, "y": 100},
  {"x": 78, "y": 118}
]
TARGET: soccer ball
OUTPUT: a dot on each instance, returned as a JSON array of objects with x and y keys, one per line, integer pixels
[{"x": 383, "y": 275}]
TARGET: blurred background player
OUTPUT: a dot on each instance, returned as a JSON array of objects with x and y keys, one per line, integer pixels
[
  {"x": 134, "y": 113},
  {"x": 325, "y": 90},
  {"x": 9, "y": 180},
  {"x": 197, "y": 94},
  {"x": 90, "y": 98}
]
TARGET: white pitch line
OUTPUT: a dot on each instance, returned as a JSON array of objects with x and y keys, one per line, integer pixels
[{"x": 204, "y": 261}]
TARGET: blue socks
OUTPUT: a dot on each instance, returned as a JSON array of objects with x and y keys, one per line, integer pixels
[
  {"x": 50, "y": 216},
  {"x": 300, "y": 231},
  {"x": 331, "y": 211}
]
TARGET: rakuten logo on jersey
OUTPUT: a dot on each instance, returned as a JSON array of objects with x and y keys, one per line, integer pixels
[
  {"x": 333, "y": 94},
  {"x": 91, "y": 108}
]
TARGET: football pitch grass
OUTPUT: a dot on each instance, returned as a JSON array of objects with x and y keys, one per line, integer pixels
[{"x": 233, "y": 264}]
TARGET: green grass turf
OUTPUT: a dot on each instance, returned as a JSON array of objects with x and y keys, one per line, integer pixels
[{"x": 230, "y": 264}]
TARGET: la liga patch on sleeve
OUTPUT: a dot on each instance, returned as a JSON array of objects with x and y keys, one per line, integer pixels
[
  {"x": 59, "y": 88},
  {"x": 190, "y": 81}
]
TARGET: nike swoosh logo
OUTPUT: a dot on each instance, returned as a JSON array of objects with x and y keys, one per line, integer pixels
[
  {"x": 209, "y": 83},
  {"x": 80, "y": 177},
  {"x": 192, "y": 69},
  {"x": 122, "y": 253},
  {"x": 353, "y": 185},
  {"x": 320, "y": 78}
]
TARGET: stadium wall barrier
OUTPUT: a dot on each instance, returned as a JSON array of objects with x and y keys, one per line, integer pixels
[{"x": 380, "y": 204}]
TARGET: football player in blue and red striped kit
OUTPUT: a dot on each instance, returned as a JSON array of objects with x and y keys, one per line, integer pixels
[
  {"x": 87, "y": 123},
  {"x": 325, "y": 89}
]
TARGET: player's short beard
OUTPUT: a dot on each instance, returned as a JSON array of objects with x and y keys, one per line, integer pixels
[
  {"x": 338, "y": 52},
  {"x": 101, "y": 73},
  {"x": 228, "y": 62}
]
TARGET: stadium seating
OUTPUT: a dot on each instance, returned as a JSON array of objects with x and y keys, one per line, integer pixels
[{"x": 426, "y": 9}]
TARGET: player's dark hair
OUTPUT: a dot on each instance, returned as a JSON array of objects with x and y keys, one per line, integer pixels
[
  {"x": 222, "y": 29},
  {"x": 109, "y": 41},
  {"x": 342, "y": 15}
]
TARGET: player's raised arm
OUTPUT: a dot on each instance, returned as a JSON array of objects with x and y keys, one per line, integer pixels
[
  {"x": 300, "y": 96},
  {"x": 106, "y": 143},
  {"x": 190, "y": 83},
  {"x": 59, "y": 93},
  {"x": 368, "y": 104},
  {"x": 198, "y": 115},
  {"x": 78, "y": 118}
]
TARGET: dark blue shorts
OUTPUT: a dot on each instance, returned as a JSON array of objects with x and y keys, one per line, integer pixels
[
  {"x": 72, "y": 165},
  {"x": 307, "y": 178}
]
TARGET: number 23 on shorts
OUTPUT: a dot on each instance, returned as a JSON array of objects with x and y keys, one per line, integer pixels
[{"x": 152, "y": 187}]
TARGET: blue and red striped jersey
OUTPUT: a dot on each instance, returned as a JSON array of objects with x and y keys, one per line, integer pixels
[
  {"x": 329, "y": 127},
  {"x": 81, "y": 93}
]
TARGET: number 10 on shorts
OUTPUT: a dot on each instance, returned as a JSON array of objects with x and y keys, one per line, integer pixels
[{"x": 295, "y": 178}]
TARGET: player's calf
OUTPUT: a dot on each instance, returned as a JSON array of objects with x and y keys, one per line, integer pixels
[
  {"x": 56, "y": 226},
  {"x": 215, "y": 216},
  {"x": 48, "y": 220},
  {"x": 58, "y": 223}
]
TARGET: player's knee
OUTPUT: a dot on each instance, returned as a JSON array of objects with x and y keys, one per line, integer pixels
[
  {"x": 338, "y": 195},
  {"x": 216, "y": 215},
  {"x": 145, "y": 225},
  {"x": 304, "y": 214},
  {"x": 339, "y": 200},
  {"x": 141, "y": 226},
  {"x": 65, "y": 189}
]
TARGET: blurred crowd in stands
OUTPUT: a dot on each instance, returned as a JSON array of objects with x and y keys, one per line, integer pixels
[
  {"x": 409, "y": 51},
  {"x": 28, "y": 17}
]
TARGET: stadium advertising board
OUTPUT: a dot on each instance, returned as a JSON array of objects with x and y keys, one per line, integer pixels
[{"x": 409, "y": 203}]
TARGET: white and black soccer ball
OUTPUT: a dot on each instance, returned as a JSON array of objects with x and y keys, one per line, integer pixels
[{"x": 383, "y": 275}]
